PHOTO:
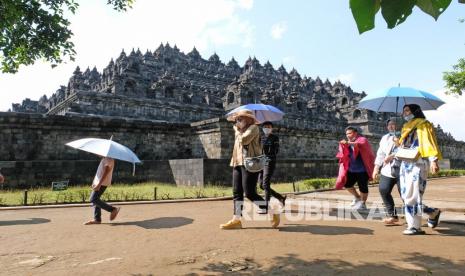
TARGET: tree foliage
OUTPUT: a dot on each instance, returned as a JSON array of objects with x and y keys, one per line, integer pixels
[
  {"x": 394, "y": 12},
  {"x": 455, "y": 80},
  {"x": 35, "y": 29}
]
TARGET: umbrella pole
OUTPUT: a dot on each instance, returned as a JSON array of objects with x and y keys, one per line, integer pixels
[{"x": 397, "y": 105}]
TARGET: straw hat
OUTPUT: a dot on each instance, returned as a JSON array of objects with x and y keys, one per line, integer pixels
[{"x": 243, "y": 113}]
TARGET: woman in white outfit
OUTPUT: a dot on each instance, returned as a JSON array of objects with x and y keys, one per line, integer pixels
[{"x": 417, "y": 133}]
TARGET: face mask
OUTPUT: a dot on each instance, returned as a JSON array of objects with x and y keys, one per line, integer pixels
[
  {"x": 267, "y": 131},
  {"x": 409, "y": 117}
]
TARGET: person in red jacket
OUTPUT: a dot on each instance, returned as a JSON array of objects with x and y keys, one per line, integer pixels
[{"x": 357, "y": 150}]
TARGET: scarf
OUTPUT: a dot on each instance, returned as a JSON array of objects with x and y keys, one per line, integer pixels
[{"x": 428, "y": 145}]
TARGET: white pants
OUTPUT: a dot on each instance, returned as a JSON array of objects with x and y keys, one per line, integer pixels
[{"x": 412, "y": 186}]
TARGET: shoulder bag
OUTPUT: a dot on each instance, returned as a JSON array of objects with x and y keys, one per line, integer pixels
[{"x": 253, "y": 164}]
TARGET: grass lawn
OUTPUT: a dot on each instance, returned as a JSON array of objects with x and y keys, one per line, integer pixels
[
  {"x": 121, "y": 192},
  {"x": 146, "y": 191}
]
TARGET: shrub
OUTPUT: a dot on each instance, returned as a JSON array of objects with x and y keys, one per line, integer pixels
[{"x": 318, "y": 183}]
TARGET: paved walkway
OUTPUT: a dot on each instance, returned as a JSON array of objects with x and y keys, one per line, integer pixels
[
  {"x": 448, "y": 194},
  {"x": 184, "y": 239}
]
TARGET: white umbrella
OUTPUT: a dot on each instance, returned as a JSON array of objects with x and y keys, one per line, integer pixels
[{"x": 106, "y": 148}]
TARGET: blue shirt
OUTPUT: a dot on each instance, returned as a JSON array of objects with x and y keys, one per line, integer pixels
[{"x": 356, "y": 165}]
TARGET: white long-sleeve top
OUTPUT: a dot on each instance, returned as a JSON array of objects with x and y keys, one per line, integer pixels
[{"x": 385, "y": 148}]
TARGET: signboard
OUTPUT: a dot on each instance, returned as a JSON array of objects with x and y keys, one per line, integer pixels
[{"x": 60, "y": 185}]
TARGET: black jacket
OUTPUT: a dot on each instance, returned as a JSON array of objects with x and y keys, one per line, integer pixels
[{"x": 270, "y": 145}]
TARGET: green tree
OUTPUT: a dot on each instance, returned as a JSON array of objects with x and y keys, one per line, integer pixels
[
  {"x": 394, "y": 12},
  {"x": 35, "y": 29},
  {"x": 455, "y": 80}
]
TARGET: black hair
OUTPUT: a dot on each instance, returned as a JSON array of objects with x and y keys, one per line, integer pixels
[
  {"x": 267, "y": 123},
  {"x": 416, "y": 110},
  {"x": 354, "y": 129}
]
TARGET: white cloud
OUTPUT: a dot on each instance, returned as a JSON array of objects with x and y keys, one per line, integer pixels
[
  {"x": 450, "y": 116},
  {"x": 100, "y": 33},
  {"x": 246, "y": 4},
  {"x": 278, "y": 30},
  {"x": 345, "y": 78}
]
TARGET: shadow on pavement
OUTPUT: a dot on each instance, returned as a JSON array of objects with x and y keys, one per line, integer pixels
[
  {"x": 448, "y": 229},
  {"x": 408, "y": 264},
  {"x": 158, "y": 223},
  {"x": 325, "y": 229},
  {"x": 24, "y": 221}
]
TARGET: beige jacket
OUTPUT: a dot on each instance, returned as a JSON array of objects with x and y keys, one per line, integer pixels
[{"x": 250, "y": 138}]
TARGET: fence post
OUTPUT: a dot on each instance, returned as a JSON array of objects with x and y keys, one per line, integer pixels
[
  {"x": 25, "y": 198},
  {"x": 293, "y": 184},
  {"x": 154, "y": 193}
]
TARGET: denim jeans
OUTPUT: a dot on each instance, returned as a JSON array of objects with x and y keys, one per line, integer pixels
[
  {"x": 99, "y": 204},
  {"x": 385, "y": 189},
  {"x": 245, "y": 182}
]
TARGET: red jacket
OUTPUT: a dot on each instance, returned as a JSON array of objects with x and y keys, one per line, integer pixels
[{"x": 368, "y": 157}]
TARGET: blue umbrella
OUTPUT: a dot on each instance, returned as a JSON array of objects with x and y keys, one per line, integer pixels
[
  {"x": 263, "y": 112},
  {"x": 394, "y": 99}
]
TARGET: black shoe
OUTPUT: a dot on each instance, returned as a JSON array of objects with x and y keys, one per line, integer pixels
[{"x": 432, "y": 223}]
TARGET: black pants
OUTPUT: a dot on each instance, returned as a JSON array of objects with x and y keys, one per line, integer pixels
[
  {"x": 264, "y": 178},
  {"x": 99, "y": 204},
  {"x": 245, "y": 182},
  {"x": 361, "y": 178},
  {"x": 385, "y": 189}
]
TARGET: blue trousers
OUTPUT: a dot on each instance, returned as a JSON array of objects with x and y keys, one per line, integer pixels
[{"x": 99, "y": 204}]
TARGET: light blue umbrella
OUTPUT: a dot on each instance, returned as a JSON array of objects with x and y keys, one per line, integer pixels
[
  {"x": 263, "y": 112},
  {"x": 106, "y": 148},
  {"x": 395, "y": 98}
]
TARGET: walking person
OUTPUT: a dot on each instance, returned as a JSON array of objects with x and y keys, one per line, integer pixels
[
  {"x": 359, "y": 154},
  {"x": 387, "y": 181},
  {"x": 2, "y": 178},
  {"x": 102, "y": 181},
  {"x": 418, "y": 134},
  {"x": 270, "y": 147},
  {"x": 247, "y": 136}
]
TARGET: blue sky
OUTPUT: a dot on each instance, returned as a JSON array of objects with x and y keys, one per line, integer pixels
[{"x": 317, "y": 37}]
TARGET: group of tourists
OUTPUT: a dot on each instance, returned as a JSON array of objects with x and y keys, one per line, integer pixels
[{"x": 402, "y": 160}]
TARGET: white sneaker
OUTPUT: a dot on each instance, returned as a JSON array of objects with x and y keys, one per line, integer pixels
[
  {"x": 413, "y": 231},
  {"x": 360, "y": 205},
  {"x": 354, "y": 202}
]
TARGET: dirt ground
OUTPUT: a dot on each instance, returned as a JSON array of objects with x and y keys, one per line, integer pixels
[{"x": 184, "y": 239}]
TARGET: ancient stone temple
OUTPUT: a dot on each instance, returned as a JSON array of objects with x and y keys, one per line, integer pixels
[{"x": 169, "y": 108}]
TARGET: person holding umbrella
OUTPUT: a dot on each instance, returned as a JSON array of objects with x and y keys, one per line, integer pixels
[
  {"x": 246, "y": 144},
  {"x": 102, "y": 180},
  {"x": 107, "y": 150},
  {"x": 417, "y": 134}
]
